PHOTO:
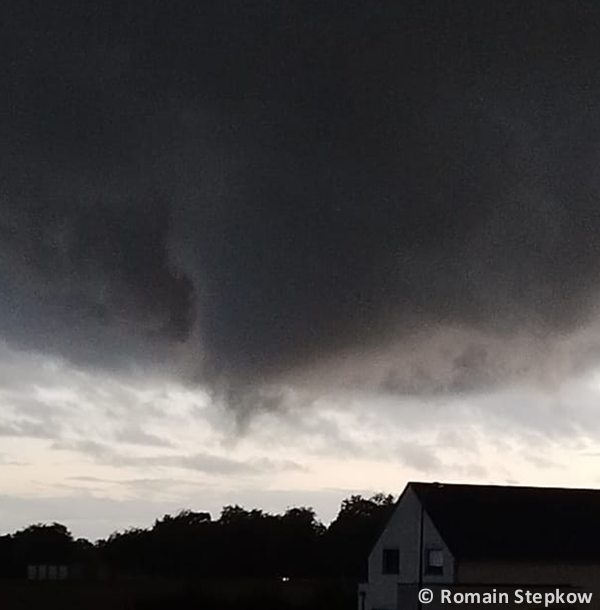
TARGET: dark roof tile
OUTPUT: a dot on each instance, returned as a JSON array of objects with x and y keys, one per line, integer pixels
[{"x": 514, "y": 523}]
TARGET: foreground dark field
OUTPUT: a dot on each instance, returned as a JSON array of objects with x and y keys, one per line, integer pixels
[{"x": 208, "y": 594}]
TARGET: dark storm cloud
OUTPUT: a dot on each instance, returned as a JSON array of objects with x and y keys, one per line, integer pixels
[{"x": 251, "y": 189}]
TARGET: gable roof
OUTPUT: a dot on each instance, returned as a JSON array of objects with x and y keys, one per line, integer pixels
[{"x": 514, "y": 523}]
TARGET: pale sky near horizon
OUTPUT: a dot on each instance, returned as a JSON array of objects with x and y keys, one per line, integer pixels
[{"x": 102, "y": 452}]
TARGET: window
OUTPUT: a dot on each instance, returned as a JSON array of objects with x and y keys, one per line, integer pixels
[
  {"x": 391, "y": 561},
  {"x": 435, "y": 561}
]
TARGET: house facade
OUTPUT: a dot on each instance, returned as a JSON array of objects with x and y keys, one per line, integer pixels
[{"x": 456, "y": 539}]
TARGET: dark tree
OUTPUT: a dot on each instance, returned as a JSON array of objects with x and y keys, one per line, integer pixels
[
  {"x": 354, "y": 531},
  {"x": 44, "y": 544},
  {"x": 241, "y": 543}
]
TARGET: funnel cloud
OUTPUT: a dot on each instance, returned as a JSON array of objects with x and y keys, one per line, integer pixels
[{"x": 257, "y": 196}]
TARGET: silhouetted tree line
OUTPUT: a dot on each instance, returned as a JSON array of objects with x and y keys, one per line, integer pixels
[{"x": 240, "y": 543}]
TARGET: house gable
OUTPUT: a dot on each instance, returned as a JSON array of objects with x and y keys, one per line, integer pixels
[{"x": 411, "y": 533}]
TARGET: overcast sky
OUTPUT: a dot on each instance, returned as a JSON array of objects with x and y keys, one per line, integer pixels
[{"x": 276, "y": 252}]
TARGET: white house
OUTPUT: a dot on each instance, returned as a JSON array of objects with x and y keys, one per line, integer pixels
[{"x": 482, "y": 538}]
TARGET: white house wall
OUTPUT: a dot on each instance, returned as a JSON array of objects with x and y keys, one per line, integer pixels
[{"x": 403, "y": 531}]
